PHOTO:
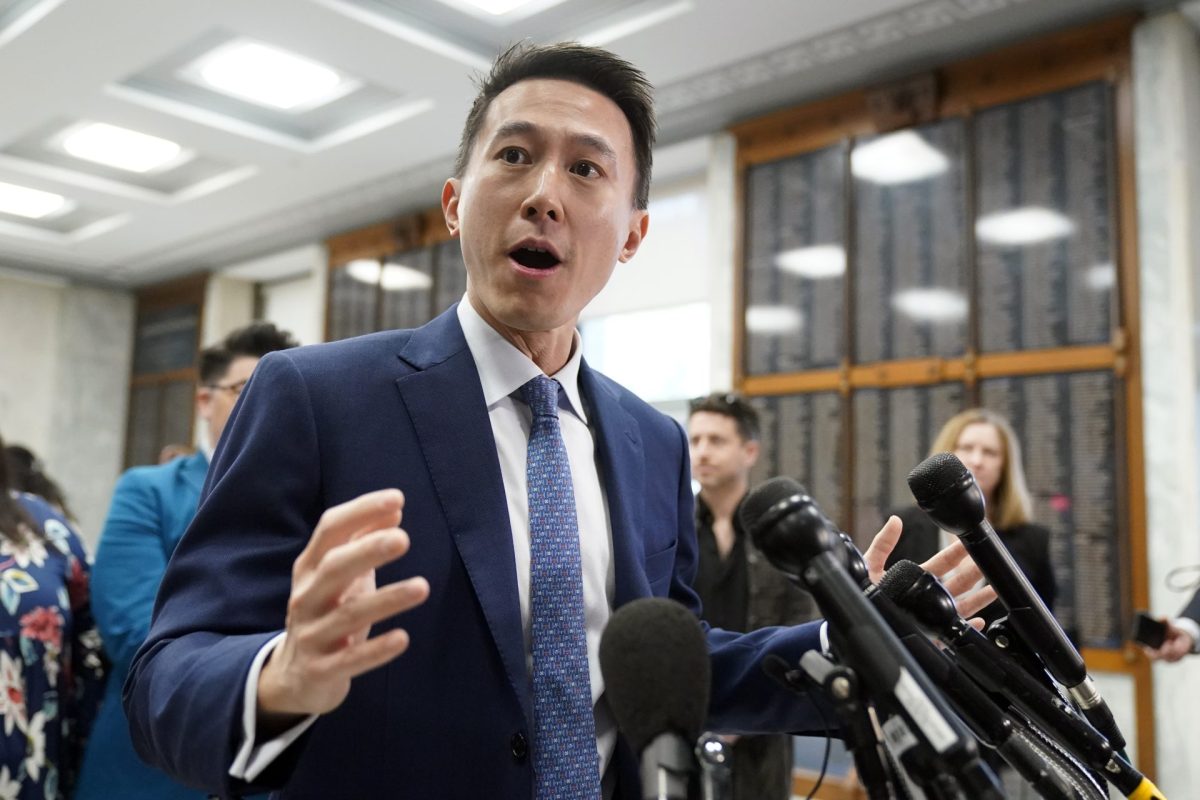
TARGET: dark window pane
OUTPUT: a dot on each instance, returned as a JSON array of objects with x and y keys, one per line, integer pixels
[
  {"x": 910, "y": 258},
  {"x": 166, "y": 340},
  {"x": 795, "y": 263}
]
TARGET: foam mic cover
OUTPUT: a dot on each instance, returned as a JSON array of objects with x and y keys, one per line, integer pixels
[{"x": 654, "y": 658}]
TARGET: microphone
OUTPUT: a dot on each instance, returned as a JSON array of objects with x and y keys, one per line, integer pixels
[
  {"x": 797, "y": 539},
  {"x": 923, "y": 596},
  {"x": 986, "y": 719},
  {"x": 654, "y": 659},
  {"x": 945, "y": 490}
]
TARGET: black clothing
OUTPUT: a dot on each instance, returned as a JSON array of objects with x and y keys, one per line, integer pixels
[
  {"x": 743, "y": 592},
  {"x": 1029, "y": 544}
]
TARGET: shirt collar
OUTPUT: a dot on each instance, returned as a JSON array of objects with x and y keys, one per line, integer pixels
[{"x": 503, "y": 369}]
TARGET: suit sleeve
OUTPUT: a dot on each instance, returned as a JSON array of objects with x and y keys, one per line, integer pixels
[
  {"x": 129, "y": 566},
  {"x": 742, "y": 698},
  {"x": 225, "y": 591},
  {"x": 1192, "y": 610}
]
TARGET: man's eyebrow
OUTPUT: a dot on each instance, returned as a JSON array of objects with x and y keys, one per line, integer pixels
[{"x": 588, "y": 140}]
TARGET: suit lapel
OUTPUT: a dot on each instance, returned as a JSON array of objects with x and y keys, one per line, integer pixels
[
  {"x": 446, "y": 405},
  {"x": 622, "y": 468}
]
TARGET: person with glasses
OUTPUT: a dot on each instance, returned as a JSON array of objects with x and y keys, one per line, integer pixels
[
  {"x": 739, "y": 589},
  {"x": 151, "y": 508}
]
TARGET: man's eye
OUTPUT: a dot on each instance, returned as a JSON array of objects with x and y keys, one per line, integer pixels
[
  {"x": 586, "y": 169},
  {"x": 512, "y": 155}
]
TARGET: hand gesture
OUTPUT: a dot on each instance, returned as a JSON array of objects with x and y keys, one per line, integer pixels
[
  {"x": 333, "y": 604},
  {"x": 952, "y": 566}
]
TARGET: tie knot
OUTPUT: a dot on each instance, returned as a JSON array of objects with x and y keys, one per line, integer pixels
[{"x": 541, "y": 394}]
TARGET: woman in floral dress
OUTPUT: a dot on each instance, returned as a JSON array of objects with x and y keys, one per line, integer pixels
[{"x": 50, "y": 667}]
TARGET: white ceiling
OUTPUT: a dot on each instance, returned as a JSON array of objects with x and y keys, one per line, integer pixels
[{"x": 713, "y": 62}]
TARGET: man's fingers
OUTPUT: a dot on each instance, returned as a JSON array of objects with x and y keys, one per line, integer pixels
[
  {"x": 319, "y": 589},
  {"x": 341, "y": 523},
  {"x": 962, "y": 579},
  {"x": 366, "y": 656},
  {"x": 882, "y": 546},
  {"x": 946, "y": 559},
  {"x": 973, "y": 602},
  {"x": 353, "y": 618}
]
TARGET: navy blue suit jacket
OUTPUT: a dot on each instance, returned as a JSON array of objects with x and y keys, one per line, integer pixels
[{"x": 318, "y": 426}]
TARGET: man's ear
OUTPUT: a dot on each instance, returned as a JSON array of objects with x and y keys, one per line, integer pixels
[
  {"x": 751, "y": 450},
  {"x": 450, "y": 198},
  {"x": 639, "y": 224},
  {"x": 204, "y": 397}
]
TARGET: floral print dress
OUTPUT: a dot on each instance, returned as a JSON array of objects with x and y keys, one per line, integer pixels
[{"x": 51, "y": 671}]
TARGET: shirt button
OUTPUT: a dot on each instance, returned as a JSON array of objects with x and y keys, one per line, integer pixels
[{"x": 520, "y": 747}]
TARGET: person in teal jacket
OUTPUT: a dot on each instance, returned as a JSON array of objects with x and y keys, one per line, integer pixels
[{"x": 151, "y": 508}]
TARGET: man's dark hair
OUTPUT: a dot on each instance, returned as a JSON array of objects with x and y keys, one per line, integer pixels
[
  {"x": 597, "y": 69},
  {"x": 731, "y": 405},
  {"x": 255, "y": 340}
]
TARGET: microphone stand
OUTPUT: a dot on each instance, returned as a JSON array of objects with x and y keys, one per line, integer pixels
[{"x": 840, "y": 684}]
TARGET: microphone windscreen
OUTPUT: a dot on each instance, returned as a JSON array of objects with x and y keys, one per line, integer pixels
[
  {"x": 930, "y": 479},
  {"x": 654, "y": 658},
  {"x": 765, "y": 495},
  {"x": 901, "y": 577}
]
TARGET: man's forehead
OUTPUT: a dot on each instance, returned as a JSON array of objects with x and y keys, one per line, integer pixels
[{"x": 531, "y": 98}]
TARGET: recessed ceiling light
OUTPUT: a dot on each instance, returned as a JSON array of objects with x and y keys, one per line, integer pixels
[
  {"x": 120, "y": 147},
  {"x": 1023, "y": 226},
  {"x": 392, "y": 277},
  {"x": 500, "y": 8},
  {"x": 31, "y": 203},
  {"x": 816, "y": 262},
  {"x": 268, "y": 76},
  {"x": 903, "y": 157},
  {"x": 773, "y": 320},
  {"x": 932, "y": 304}
]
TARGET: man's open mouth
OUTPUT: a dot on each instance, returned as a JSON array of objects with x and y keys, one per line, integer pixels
[{"x": 534, "y": 258}]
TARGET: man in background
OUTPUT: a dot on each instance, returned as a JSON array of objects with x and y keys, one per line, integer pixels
[
  {"x": 739, "y": 589},
  {"x": 151, "y": 508}
]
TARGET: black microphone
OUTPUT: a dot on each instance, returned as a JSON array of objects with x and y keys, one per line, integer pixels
[
  {"x": 945, "y": 490},
  {"x": 654, "y": 659},
  {"x": 797, "y": 539},
  {"x": 923, "y": 596}
]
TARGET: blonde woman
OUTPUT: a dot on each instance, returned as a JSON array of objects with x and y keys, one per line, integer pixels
[{"x": 986, "y": 444}]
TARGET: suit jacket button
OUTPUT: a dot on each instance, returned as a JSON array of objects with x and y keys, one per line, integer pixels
[{"x": 520, "y": 747}]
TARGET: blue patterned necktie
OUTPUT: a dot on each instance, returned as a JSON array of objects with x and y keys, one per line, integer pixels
[{"x": 565, "y": 762}]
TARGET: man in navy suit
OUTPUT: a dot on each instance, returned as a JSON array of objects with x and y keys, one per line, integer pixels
[
  {"x": 304, "y": 643},
  {"x": 151, "y": 508}
]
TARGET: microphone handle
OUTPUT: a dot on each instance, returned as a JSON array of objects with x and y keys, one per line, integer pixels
[
  {"x": 1035, "y": 624},
  {"x": 667, "y": 767},
  {"x": 1026, "y": 611}
]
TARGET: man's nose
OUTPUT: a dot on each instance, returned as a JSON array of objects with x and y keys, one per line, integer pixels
[{"x": 544, "y": 198}]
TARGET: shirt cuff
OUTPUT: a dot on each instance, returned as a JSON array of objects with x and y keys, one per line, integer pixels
[
  {"x": 1193, "y": 629},
  {"x": 824, "y": 632},
  {"x": 252, "y": 758}
]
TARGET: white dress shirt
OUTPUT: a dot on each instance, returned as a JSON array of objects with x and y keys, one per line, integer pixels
[{"x": 503, "y": 369}]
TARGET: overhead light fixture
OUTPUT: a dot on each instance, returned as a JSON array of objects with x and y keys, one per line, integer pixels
[
  {"x": 931, "y": 304},
  {"x": 902, "y": 157},
  {"x": 391, "y": 277},
  {"x": 815, "y": 263},
  {"x": 22, "y": 201},
  {"x": 773, "y": 320},
  {"x": 1101, "y": 277},
  {"x": 503, "y": 8},
  {"x": 1023, "y": 226},
  {"x": 268, "y": 76},
  {"x": 121, "y": 147}
]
